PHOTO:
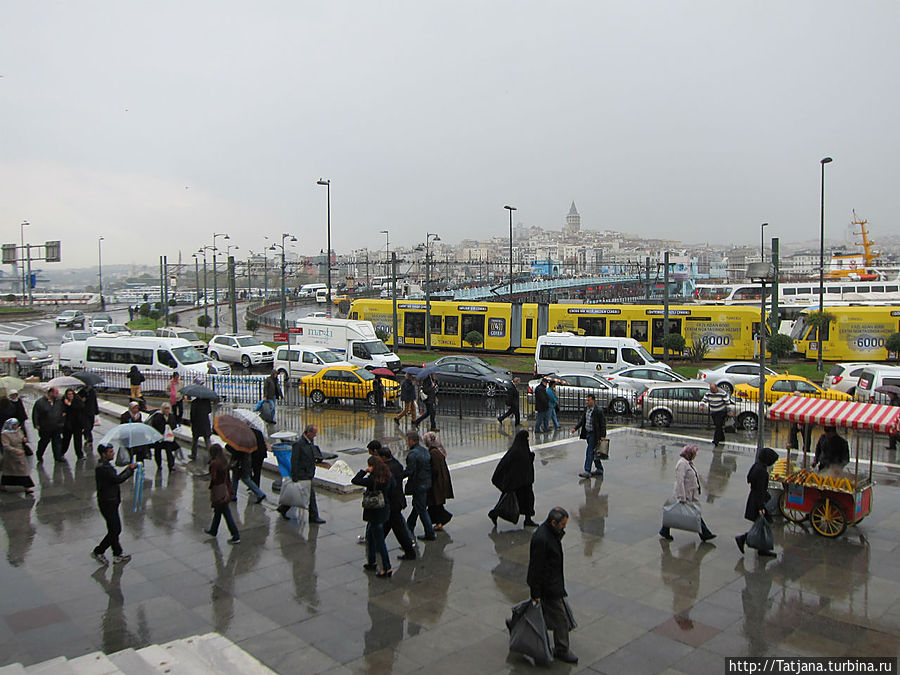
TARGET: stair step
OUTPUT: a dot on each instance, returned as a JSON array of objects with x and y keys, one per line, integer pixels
[
  {"x": 57, "y": 666},
  {"x": 96, "y": 663},
  {"x": 225, "y": 656},
  {"x": 158, "y": 659},
  {"x": 13, "y": 669},
  {"x": 186, "y": 657},
  {"x": 129, "y": 661}
]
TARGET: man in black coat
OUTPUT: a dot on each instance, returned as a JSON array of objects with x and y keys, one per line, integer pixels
[
  {"x": 395, "y": 522},
  {"x": 108, "y": 499},
  {"x": 89, "y": 412},
  {"x": 303, "y": 467},
  {"x": 593, "y": 428},
  {"x": 511, "y": 398},
  {"x": 541, "y": 408},
  {"x": 200, "y": 428},
  {"x": 47, "y": 418},
  {"x": 832, "y": 451},
  {"x": 547, "y": 582}
]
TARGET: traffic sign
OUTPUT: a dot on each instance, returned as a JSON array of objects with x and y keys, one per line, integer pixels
[
  {"x": 295, "y": 330},
  {"x": 279, "y": 337}
]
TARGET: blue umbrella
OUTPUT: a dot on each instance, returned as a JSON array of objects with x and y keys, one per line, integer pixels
[{"x": 131, "y": 435}]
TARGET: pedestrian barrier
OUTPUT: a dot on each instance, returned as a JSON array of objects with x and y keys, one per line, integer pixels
[{"x": 237, "y": 388}]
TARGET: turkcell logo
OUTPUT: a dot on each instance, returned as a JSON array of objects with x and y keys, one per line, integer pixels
[{"x": 320, "y": 332}]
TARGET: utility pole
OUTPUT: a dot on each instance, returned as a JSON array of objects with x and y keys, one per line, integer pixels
[
  {"x": 232, "y": 294},
  {"x": 394, "y": 295},
  {"x": 665, "y": 307}
]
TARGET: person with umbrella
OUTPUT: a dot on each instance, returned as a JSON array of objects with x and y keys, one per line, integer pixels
[
  {"x": 201, "y": 408},
  {"x": 47, "y": 418},
  {"x": 220, "y": 494},
  {"x": 73, "y": 422},
  {"x": 515, "y": 473},
  {"x": 108, "y": 499},
  {"x": 133, "y": 416},
  {"x": 429, "y": 390},
  {"x": 240, "y": 443},
  {"x": 407, "y": 397}
]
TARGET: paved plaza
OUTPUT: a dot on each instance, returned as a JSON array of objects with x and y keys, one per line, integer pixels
[{"x": 296, "y": 597}]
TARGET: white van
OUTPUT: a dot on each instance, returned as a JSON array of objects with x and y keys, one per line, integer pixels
[
  {"x": 31, "y": 354},
  {"x": 873, "y": 378},
  {"x": 322, "y": 294},
  {"x": 568, "y": 352},
  {"x": 309, "y": 290},
  {"x": 355, "y": 341},
  {"x": 295, "y": 361},
  {"x": 150, "y": 354}
]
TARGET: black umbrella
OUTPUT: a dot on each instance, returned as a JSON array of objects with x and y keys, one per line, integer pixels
[
  {"x": 200, "y": 391},
  {"x": 426, "y": 371},
  {"x": 88, "y": 378},
  {"x": 888, "y": 389}
]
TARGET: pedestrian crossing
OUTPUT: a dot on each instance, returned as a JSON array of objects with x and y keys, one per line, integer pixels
[{"x": 14, "y": 327}]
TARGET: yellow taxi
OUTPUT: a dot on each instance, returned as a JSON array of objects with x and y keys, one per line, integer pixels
[
  {"x": 345, "y": 382},
  {"x": 786, "y": 385}
]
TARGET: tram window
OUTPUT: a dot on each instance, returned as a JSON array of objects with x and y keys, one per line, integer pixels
[
  {"x": 472, "y": 322},
  {"x": 862, "y": 289},
  {"x": 592, "y": 325},
  {"x": 575, "y": 354},
  {"x": 451, "y": 325},
  {"x": 618, "y": 328},
  {"x": 674, "y": 327},
  {"x": 849, "y": 289},
  {"x": 832, "y": 290},
  {"x": 790, "y": 291},
  {"x": 878, "y": 289},
  {"x": 891, "y": 289},
  {"x": 815, "y": 291},
  {"x": 600, "y": 354},
  {"x": 529, "y": 329},
  {"x": 639, "y": 330},
  {"x": 414, "y": 325},
  {"x": 436, "y": 324}
]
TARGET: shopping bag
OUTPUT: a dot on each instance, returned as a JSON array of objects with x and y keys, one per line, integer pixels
[
  {"x": 123, "y": 457},
  {"x": 528, "y": 633},
  {"x": 295, "y": 493},
  {"x": 601, "y": 449},
  {"x": 681, "y": 516},
  {"x": 760, "y": 535},
  {"x": 508, "y": 507},
  {"x": 169, "y": 436}
]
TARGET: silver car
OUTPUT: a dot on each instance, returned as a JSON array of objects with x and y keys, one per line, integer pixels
[
  {"x": 727, "y": 375},
  {"x": 845, "y": 376},
  {"x": 643, "y": 376},
  {"x": 682, "y": 404},
  {"x": 574, "y": 387},
  {"x": 76, "y": 335}
]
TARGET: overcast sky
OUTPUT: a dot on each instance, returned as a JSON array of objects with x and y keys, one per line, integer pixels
[{"x": 154, "y": 124}]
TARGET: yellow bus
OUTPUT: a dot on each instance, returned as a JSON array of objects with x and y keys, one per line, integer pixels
[
  {"x": 856, "y": 333},
  {"x": 729, "y": 331}
]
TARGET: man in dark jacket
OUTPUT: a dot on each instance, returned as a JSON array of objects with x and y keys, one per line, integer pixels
[
  {"x": 429, "y": 390},
  {"x": 303, "y": 467},
  {"x": 271, "y": 393},
  {"x": 593, "y": 429},
  {"x": 541, "y": 408},
  {"x": 546, "y": 580},
  {"x": 89, "y": 413},
  {"x": 407, "y": 398},
  {"x": 47, "y": 418},
  {"x": 418, "y": 475},
  {"x": 161, "y": 420},
  {"x": 108, "y": 499},
  {"x": 512, "y": 402},
  {"x": 395, "y": 522},
  {"x": 832, "y": 451},
  {"x": 200, "y": 428}
]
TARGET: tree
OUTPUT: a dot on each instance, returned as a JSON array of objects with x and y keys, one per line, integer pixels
[
  {"x": 204, "y": 321},
  {"x": 820, "y": 321},
  {"x": 474, "y": 338},
  {"x": 252, "y": 325},
  {"x": 674, "y": 342},
  {"x": 893, "y": 344},
  {"x": 382, "y": 334},
  {"x": 698, "y": 350},
  {"x": 174, "y": 319},
  {"x": 144, "y": 310},
  {"x": 154, "y": 314},
  {"x": 781, "y": 346}
]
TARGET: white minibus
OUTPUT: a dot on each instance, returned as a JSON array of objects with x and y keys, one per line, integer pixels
[
  {"x": 568, "y": 352},
  {"x": 150, "y": 354}
]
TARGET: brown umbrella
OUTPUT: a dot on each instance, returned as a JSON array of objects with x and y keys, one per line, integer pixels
[{"x": 235, "y": 432}]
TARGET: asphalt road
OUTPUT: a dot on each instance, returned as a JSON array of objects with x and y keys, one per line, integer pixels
[{"x": 47, "y": 332}]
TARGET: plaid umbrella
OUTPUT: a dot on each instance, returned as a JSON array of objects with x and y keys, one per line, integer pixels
[{"x": 235, "y": 432}]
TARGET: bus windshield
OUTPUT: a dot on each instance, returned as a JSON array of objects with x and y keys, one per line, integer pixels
[{"x": 799, "y": 328}]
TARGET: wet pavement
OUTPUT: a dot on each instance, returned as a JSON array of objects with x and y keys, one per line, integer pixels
[{"x": 296, "y": 596}]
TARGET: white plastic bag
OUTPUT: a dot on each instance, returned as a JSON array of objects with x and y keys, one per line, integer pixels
[{"x": 295, "y": 493}]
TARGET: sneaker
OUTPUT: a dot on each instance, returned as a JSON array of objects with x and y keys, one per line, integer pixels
[
  {"x": 584, "y": 474},
  {"x": 234, "y": 540},
  {"x": 210, "y": 533},
  {"x": 122, "y": 558},
  {"x": 666, "y": 535},
  {"x": 100, "y": 558},
  {"x": 566, "y": 657}
]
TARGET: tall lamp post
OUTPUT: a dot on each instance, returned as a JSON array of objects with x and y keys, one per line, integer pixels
[
  {"x": 510, "y": 209},
  {"x": 762, "y": 242},
  {"x": 387, "y": 251},
  {"x": 22, "y": 256},
  {"x": 428, "y": 239},
  {"x": 761, "y": 273},
  {"x": 275, "y": 247},
  {"x": 327, "y": 183},
  {"x": 100, "y": 272},
  {"x": 822, "y": 163},
  {"x": 196, "y": 278},
  {"x": 215, "y": 278},
  {"x": 203, "y": 250}
]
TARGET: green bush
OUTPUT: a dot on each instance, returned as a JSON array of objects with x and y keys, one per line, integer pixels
[
  {"x": 204, "y": 321},
  {"x": 174, "y": 319},
  {"x": 698, "y": 350},
  {"x": 10, "y": 297},
  {"x": 674, "y": 342},
  {"x": 382, "y": 334},
  {"x": 154, "y": 314},
  {"x": 780, "y": 345},
  {"x": 893, "y": 344},
  {"x": 144, "y": 310},
  {"x": 474, "y": 338},
  {"x": 252, "y": 325}
]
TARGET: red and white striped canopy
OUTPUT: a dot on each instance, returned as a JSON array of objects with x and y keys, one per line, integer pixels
[{"x": 882, "y": 419}]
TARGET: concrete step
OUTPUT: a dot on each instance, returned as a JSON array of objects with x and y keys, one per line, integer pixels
[
  {"x": 226, "y": 657},
  {"x": 185, "y": 658},
  {"x": 129, "y": 661},
  {"x": 13, "y": 669},
  {"x": 96, "y": 663},
  {"x": 57, "y": 666},
  {"x": 158, "y": 659}
]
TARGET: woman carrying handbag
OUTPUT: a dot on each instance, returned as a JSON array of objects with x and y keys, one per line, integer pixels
[
  {"x": 220, "y": 492},
  {"x": 687, "y": 491},
  {"x": 378, "y": 481}
]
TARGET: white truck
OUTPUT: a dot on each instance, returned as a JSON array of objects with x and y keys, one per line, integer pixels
[{"x": 353, "y": 341}]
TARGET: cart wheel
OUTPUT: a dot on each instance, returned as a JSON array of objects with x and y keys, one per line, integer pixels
[
  {"x": 828, "y": 518},
  {"x": 793, "y": 515}
]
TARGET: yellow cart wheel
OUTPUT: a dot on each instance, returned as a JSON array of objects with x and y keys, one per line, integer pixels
[
  {"x": 828, "y": 518},
  {"x": 791, "y": 514}
]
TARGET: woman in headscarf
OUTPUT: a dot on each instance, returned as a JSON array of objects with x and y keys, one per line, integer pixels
[
  {"x": 441, "y": 486},
  {"x": 515, "y": 473},
  {"x": 13, "y": 464},
  {"x": 758, "y": 478},
  {"x": 687, "y": 489}
]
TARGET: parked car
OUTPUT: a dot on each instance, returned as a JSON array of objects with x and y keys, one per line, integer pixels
[
  {"x": 293, "y": 362},
  {"x": 97, "y": 326},
  {"x": 845, "y": 376},
  {"x": 102, "y": 316},
  {"x": 873, "y": 378},
  {"x": 681, "y": 403},
  {"x": 184, "y": 334},
  {"x": 728, "y": 375},
  {"x": 143, "y": 333},
  {"x": 471, "y": 377},
  {"x": 466, "y": 358},
  {"x": 573, "y": 388},
  {"x": 117, "y": 329},
  {"x": 243, "y": 349},
  {"x": 777, "y": 386},
  {"x": 76, "y": 335},
  {"x": 643, "y": 376},
  {"x": 345, "y": 382},
  {"x": 70, "y": 318}
]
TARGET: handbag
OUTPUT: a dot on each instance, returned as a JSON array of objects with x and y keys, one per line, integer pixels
[
  {"x": 373, "y": 498},
  {"x": 681, "y": 516},
  {"x": 220, "y": 493},
  {"x": 528, "y": 632},
  {"x": 601, "y": 449},
  {"x": 760, "y": 535},
  {"x": 508, "y": 507},
  {"x": 28, "y": 451},
  {"x": 295, "y": 493},
  {"x": 123, "y": 457}
]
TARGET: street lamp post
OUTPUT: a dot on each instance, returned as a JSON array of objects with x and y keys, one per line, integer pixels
[
  {"x": 22, "y": 256},
  {"x": 762, "y": 244},
  {"x": 215, "y": 278},
  {"x": 822, "y": 163},
  {"x": 387, "y": 252},
  {"x": 196, "y": 278},
  {"x": 761, "y": 273},
  {"x": 327, "y": 183},
  {"x": 510, "y": 209},
  {"x": 428, "y": 239},
  {"x": 100, "y": 272},
  {"x": 203, "y": 250},
  {"x": 275, "y": 247}
]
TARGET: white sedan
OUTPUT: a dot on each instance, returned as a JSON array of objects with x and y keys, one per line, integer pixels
[
  {"x": 728, "y": 375},
  {"x": 643, "y": 376}
]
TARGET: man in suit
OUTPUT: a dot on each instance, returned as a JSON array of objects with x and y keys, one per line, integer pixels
[{"x": 303, "y": 467}]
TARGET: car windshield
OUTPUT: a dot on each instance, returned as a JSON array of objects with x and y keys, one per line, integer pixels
[
  {"x": 377, "y": 347},
  {"x": 188, "y": 355},
  {"x": 68, "y": 312},
  {"x": 100, "y": 322},
  {"x": 80, "y": 335},
  {"x": 187, "y": 335},
  {"x": 248, "y": 342},
  {"x": 364, "y": 374},
  {"x": 33, "y": 345},
  {"x": 328, "y": 357},
  {"x": 115, "y": 328}
]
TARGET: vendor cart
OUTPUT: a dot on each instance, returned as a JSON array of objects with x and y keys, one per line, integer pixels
[{"x": 831, "y": 502}]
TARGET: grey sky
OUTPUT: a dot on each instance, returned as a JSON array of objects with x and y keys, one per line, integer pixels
[{"x": 693, "y": 120}]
